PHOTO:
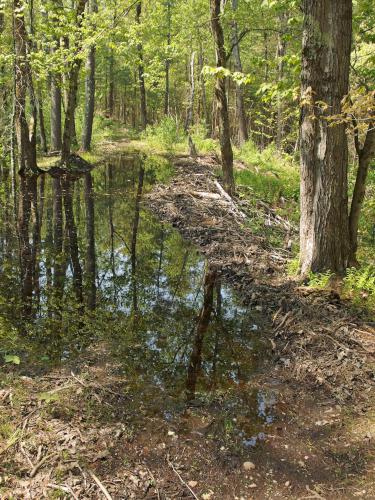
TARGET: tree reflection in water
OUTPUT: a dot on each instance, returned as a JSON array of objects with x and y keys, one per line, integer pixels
[{"x": 93, "y": 265}]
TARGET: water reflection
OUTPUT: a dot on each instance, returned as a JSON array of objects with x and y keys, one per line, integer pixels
[{"x": 86, "y": 262}]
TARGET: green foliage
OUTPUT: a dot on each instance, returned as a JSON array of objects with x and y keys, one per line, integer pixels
[
  {"x": 12, "y": 358},
  {"x": 272, "y": 176},
  {"x": 293, "y": 266},
  {"x": 203, "y": 143},
  {"x": 320, "y": 280},
  {"x": 167, "y": 134},
  {"x": 359, "y": 285},
  {"x": 159, "y": 168}
]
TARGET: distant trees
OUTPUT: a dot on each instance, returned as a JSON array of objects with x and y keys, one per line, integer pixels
[{"x": 243, "y": 83}]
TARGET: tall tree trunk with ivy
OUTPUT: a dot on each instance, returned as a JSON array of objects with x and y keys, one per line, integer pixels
[{"x": 327, "y": 35}]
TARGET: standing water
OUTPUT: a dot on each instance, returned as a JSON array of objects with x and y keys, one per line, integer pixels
[{"x": 95, "y": 266}]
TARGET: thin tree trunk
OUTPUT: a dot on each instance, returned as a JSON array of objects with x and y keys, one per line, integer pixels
[
  {"x": 167, "y": 61},
  {"x": 221, "y": 98},
  {"x": 324, "y": 152},
  {"x": 141, "y": 76},
  {"x": 90, "y": 251},
  {"x": 206, "y": 115},
  {"x": 58, "y": 241},
  {"x": 200, "y": 331},
  {"x": 190, "y": 109},
  {"x": 281, "y": 50},
  {"x": 73, "y": 238},
  {"x": 243, "y": 135},
  {"x": 111, "y": 84},
  {"x": 365, "y": 156},
  {"x": 133, "y": 247},
  {"x": 56, "y": 131},
  {"x": 42, "y": 128},
  {"x": 69, "y": 125},
  {"x": 89, "y": 90}
]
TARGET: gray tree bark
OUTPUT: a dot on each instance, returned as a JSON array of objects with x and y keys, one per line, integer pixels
[
  {"x": 243, "y": 135},
  {"x": 141, "y": 76},
  {"x": 221, "y": 98},
  {"x": 71, "y": 104},
  {"x": 89, "y": 90},
  {"x": 365, "y": 155},
  {"x": 324, "y": 234}
]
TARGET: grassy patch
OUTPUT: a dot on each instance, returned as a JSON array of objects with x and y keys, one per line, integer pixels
[{"x": 272, "y": 177}]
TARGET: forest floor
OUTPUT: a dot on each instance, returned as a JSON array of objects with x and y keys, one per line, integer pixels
[{"x": 81, "y": 431}]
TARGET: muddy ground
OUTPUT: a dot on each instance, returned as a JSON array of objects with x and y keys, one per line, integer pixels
[{"x": 82, "y": 431}]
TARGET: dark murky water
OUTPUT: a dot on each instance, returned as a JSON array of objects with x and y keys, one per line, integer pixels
[{"x": 93, "y": 264}]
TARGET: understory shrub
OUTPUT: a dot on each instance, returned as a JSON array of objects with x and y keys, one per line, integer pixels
[{"x": 166, "y": 134}]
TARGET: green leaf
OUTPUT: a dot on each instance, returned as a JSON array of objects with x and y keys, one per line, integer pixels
[
  {"x": 48, "y": 397},
  {"x": 11, "y": 358}
]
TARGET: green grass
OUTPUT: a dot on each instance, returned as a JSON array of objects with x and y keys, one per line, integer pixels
[{"x": 272, "y": 176}]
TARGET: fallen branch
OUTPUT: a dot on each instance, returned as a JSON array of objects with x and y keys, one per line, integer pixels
[
  {"x": 180, "y": 478},
  {"x": 41, "y": 463},
  {"x": 66, "y": 489},
  {"x": 101, "y": 486}
]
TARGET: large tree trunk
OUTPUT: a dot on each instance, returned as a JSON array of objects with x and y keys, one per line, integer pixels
[
  {"x": 365, "y": 155},
  {"x": 23, "y": 80},
  {"x": 141, "y": 77},
  {"x": 221, "y": 98},
  {"x": 89, "y": 91},
  {"x": 240, "y": 103},
  {"x": 71, "y": 104},
  {"x": 324, "y": 152}
]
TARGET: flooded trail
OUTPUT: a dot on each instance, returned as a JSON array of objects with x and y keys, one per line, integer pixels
[{"x": 142, "y": 373}]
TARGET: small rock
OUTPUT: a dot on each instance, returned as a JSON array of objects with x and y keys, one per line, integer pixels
[
  {"x": 287, "y": 483},
  {"x": 248, "y": 465}
]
